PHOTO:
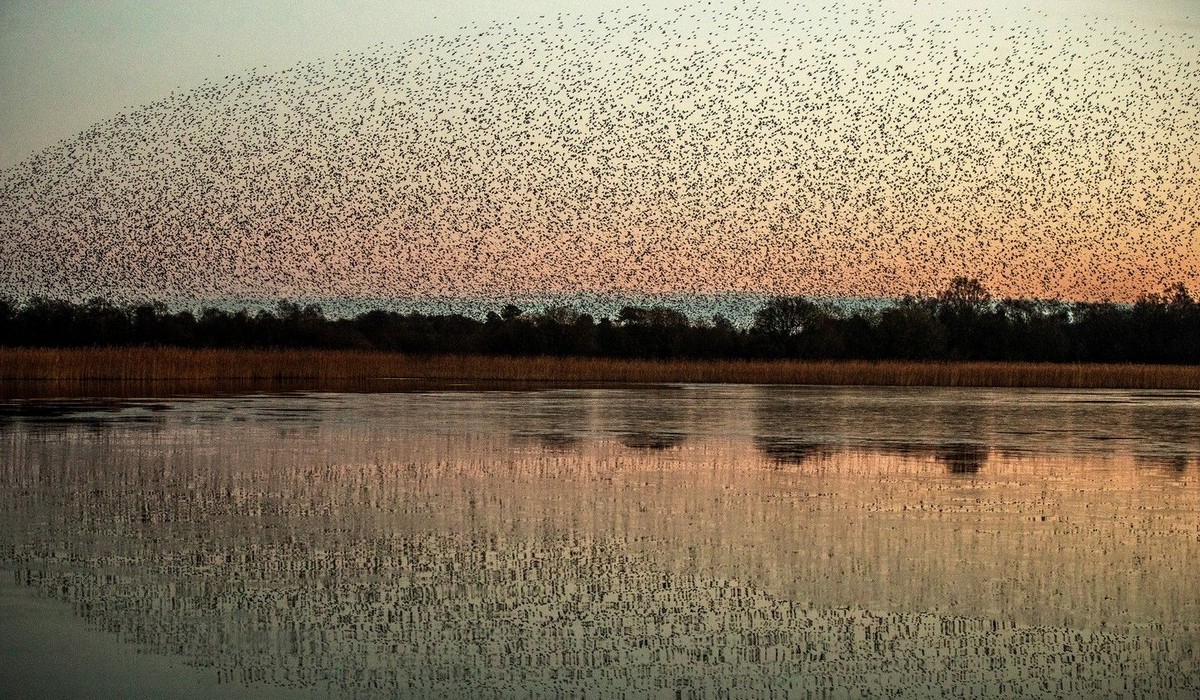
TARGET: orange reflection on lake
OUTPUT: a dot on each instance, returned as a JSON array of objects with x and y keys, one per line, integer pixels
[{"x": 692, "y": 538}]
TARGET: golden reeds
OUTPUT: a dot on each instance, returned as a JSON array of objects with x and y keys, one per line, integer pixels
[{"x": 338, "y": 369}]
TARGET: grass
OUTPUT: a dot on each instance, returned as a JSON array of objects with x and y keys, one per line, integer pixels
[{"x": 44, "y": 372}]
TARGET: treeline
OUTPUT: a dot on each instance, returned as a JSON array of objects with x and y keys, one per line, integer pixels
[{"x": 963, "y": 322}]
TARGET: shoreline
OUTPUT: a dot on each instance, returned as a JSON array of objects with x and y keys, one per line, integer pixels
[{"x": 82, "y": 371}]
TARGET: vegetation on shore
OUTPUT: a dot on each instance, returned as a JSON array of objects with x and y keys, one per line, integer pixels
[
  {"x": 963, "y": 324},
  {"x": 316, "y": 369}
]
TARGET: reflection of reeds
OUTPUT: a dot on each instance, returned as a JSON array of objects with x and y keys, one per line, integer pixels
[{"x": 336, "y": 369}]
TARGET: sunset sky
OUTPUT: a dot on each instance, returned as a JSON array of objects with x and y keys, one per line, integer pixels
[
  {"x": 1050, "y": 150},
  {"x": 66, "y": 64}
]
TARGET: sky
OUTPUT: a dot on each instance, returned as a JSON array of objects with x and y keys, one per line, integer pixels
[
  {"x": 377, "y": 149},
  {"x": 66, "y": 64}
]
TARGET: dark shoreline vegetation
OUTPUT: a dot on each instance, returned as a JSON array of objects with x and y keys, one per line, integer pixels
[
  {"x": 963, "y": 323},
  {"x": 962, "y": 337},
  {"x": 154, "y": 371}
]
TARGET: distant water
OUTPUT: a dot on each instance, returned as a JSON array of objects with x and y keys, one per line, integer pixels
[
  {"x": 684, "y": 541},
  {"x": 737, "y": 307}
]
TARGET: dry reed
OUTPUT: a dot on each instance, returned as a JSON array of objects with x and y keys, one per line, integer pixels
[{"x": 22, "y": 368}]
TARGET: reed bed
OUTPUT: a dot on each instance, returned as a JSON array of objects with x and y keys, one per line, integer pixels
[{"x": 23, "y": 370}]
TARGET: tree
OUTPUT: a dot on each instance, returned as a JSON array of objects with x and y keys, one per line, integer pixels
[
  {"x": 558, "y": 315},
  {"x": 8, "y": 313},
  {"x": 1178, "y": 297},
  {"x": 782, "y": 317},
  {"x": 656, "y": 316},
  {"x": 972, "y": 332},
  {"x": 965, "y": 293},
  {"x": 654, "y": 332},
  {"x": 909, "y": 332},
  {"x": 1168, "y": 325}
]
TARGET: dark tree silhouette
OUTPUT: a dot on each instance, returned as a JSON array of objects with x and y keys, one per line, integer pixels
[{"x": 963, "y": 322}]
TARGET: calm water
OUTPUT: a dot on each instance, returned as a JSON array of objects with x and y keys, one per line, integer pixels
[{"x": 680, "y": 541}]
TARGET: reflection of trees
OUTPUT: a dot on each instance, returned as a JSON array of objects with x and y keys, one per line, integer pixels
[
  {"x": 792, "y": 428},
  {"x": 1174, "y": 464},
  {"x": 789, "y": 450},
  {"x": 1173, "y": 430},
  {"x": 784, "y": 426},
  {"x": 960, "y": 442},
  {"x": 76, "y": 411},
  {"x": 651, "y": 419},
  {"x": 959, "y": 457},
  {"x": 652, "y": 441},
  {"x": 962, "y": 457},
  {"x": 558, "y": 440},
  {"x": 553, "y": 420}
]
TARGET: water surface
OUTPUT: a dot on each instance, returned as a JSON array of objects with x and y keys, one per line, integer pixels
[{"x": 684, "y": 540}]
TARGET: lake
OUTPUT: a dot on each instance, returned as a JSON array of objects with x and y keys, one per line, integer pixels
[{"x": 674, "y": 541}]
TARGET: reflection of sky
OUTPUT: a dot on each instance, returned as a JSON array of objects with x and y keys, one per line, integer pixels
[
  {"x": 419, "y": 541},
  {"x": 781, "y": 148},
  {"x": 783, "y": 423}
]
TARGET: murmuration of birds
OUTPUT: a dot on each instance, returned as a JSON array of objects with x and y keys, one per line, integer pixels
[{"x": 721, "y": 147}]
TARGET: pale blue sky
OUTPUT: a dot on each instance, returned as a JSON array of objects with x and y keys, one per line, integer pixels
[{"x": 67, "y": 64}]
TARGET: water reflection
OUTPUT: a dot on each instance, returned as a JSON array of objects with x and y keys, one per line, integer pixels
[
  {"x": 785, "y": 428},
  {"x": 656, "y": 421},
  {"x": 1173, "y": 464},
  {"x": 961, "y": 457},
  {"x": 81, "y": 411},
  {"x": 477, "y": 543},
  {"x": 556, "y": 420},
  {"x": 794, "y": 427},
  {"x": 439, "y": 615},
  {"x": 788, "y": 450}
]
